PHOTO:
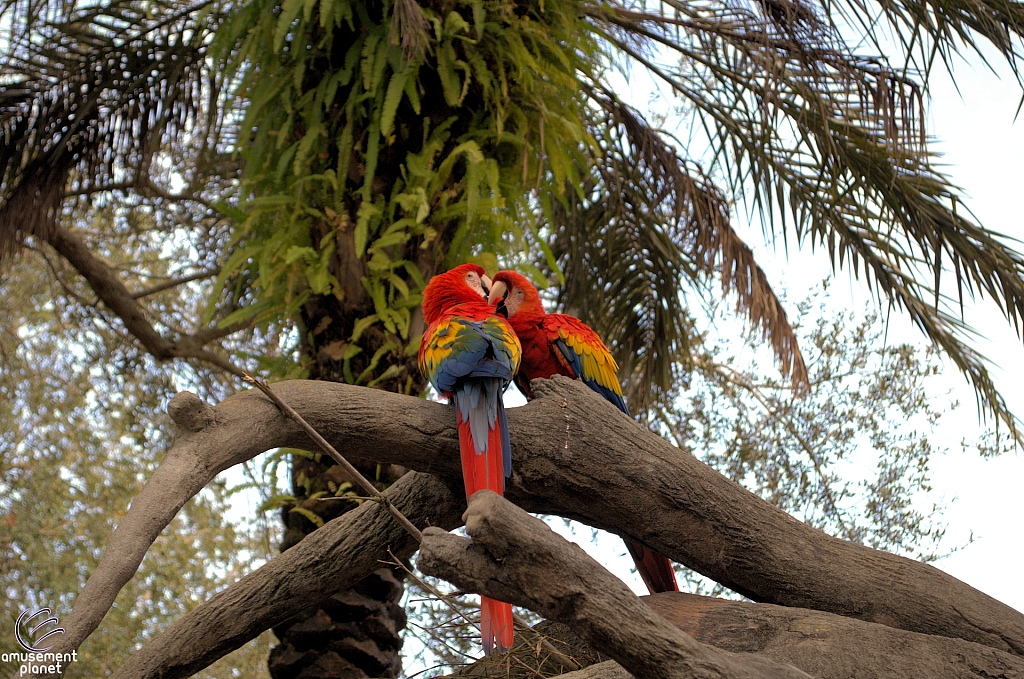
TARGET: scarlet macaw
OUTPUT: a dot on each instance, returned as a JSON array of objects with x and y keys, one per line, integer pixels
[
  {"x": 559, "y": 344},
  {"x": 470, "y": 354}
]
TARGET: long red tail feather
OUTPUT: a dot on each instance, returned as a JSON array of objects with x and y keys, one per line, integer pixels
[
  {"x": 481, "y": 472},
  {"x": 655, "y": 569}
]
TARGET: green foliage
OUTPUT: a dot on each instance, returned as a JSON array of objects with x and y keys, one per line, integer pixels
[{"x": 395, "y": 162}]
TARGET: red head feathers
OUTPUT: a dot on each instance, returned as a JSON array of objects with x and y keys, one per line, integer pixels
[{"x": 465, "y": 283}]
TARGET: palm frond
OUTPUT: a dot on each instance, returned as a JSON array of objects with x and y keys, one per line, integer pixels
[
  {"x": 830, "y": 147},
  {"x": 645, "y": 226},
  {"x": 94, "y": 89}
]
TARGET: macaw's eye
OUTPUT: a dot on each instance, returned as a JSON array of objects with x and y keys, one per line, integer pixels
[{"x": 478, "y": 283}]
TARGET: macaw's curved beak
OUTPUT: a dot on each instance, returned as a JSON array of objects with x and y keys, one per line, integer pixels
[
  {"x": 485, "y": 283},
  {"x": 499, "y": 291}
]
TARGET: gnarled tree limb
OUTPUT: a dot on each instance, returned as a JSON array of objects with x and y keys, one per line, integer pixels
[
  {"x": 576, "y": 456},
  {"x": 517, "y": 558},
  {"x": 605, "y": 670},
  {"x": 125, "y": 305},
  {"x": 330, "y": 559},
  {"x": 608, "y": 669},
  {"x": 821, "y": 644}
]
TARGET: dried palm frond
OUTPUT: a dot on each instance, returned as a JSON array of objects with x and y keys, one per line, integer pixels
[
  {"x": 409, "y": 26},
  {"x": 830, "y": 146},
  {"x": 95, "y": 89},
  {"x": 645, "y": 226}
]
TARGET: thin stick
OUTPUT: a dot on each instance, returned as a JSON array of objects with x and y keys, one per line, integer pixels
[
  {"x": 336, "y": 456},
  {"x": 566, "y": 662},
  {"x": 430, "y": 588},
  {"x": 383, "y": 499}
]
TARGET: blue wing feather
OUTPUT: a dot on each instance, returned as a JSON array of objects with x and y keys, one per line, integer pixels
[
  {"x": 473, "y": 362},
  {"x": 471, "y": 354}
]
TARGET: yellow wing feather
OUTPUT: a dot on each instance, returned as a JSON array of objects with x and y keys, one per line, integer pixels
[
  {"x": 596, "y": 359},
  {"x": 441, "y": 340}
]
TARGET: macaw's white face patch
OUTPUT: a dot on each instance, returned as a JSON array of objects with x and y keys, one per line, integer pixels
[{"x": 481, "y": 285}]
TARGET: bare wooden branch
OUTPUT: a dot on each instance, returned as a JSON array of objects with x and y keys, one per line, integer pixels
[
  {"x": 173, "y": 283},
  {"x": 515, "y": 557},
  {"x": 124, "y": 304},
  {"x": 821, "y": 644},
  {"x": 628, "y": 480},
  {"x": 328, "y": 560},
  {"x": 605, "y": 670},
  {"x": 573, "y": 455}
]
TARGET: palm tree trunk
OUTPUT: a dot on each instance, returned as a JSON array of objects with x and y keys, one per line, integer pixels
[{"x": 356, "y": 633}]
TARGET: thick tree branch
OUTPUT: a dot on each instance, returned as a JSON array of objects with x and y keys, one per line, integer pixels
[
  {"x": 124, "y": 304},
  {"x": 828, "y": 645},
  {"x": 330, "y": 559},
  {"x": 605, "y": 670},
  {"x": 576, "y": 456},
  {"x": 515, "y": 557},
  {"x": 821, "y": 644}
]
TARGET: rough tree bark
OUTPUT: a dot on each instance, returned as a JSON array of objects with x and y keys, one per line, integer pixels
[
  {"x": 605, "y": 670},
  {"x": 575, "y": 456},
  {"x": 821, "y": 644},
  {"x": 515, "y": 557},
  {"x": 828, "y": 645}
]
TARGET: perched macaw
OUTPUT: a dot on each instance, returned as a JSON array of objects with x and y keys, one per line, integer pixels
[
  {"x": 559, "y": 344},
  {"x": 469, "y": 353}
]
